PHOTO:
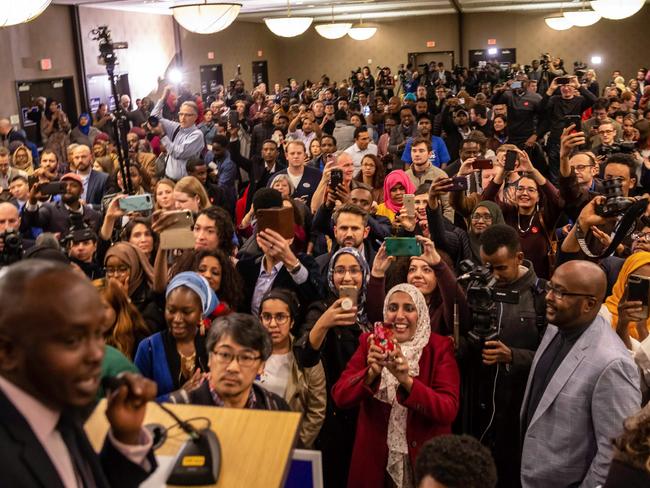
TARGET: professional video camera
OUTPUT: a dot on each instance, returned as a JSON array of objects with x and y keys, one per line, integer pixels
[
  {"x": 580, "y": 69},
  {"x": 615, "y": 203},
  {"x": 617, "y": 147},
  {"x": 545, "y": 61},
  {"x": 13, "y": 247},
  {"x": 482, "y": 296},
  {"x": 107, "y": 47}
]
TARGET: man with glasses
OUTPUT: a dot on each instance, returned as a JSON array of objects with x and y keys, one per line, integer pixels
[
  {"x": 183, "y": 141},
  {"x": 607, "y": 134},
  {"x": 505, "y": 361},
  {"x": 582, "y": 385},
  {"x": 238, "y": 346}
]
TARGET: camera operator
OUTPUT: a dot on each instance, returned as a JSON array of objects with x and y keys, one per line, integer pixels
[
  {"x": 183, "y": 141},
  {"x": 81, "y": 244},
  {"x": 609, "y": 143},
  {"x": 573, "y": 99},
  {"x": 523, "y": 111},
  {"x": 11, "y": 242},
  {"x": 506, "y": 355}
]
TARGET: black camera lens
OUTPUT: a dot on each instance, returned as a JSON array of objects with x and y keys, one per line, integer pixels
[{"x": 153, "y": 121}]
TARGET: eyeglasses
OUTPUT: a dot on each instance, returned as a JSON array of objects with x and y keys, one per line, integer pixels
[
  {"x": 245, "y": 360},
  {"x": 117, "y": 270},
  {"x": 526, "y": 189},
  {"x": 606, "y": 131},
  {"x": 482, "y": 217},
  {"x": 641, "y": 236},
  {"x": 582, "y": 167},
  {"x": 280, "y": 318},
  {"x": 341, "y": 271},
  {"x": 560, "y": 294}
]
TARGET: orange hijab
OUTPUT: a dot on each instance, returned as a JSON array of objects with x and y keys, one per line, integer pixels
[{"x": 634, "y": 262}]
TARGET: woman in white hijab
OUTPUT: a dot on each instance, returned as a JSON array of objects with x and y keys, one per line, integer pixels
[{"x": 406, "y": 394}]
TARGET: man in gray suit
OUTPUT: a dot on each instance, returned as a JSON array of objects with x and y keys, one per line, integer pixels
[{"x": 582, "y": 384}]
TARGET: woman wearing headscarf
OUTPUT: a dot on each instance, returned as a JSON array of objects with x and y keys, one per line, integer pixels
[
  {"x": 330, "y": 333},
  {"x": 127, "y": 264},
  {"x": 407, "y": 392},
  {"x": 396, "y": 185},
  {"x": 22, "y": 159},
  {"x": 431, "y": 276},
  {"x": 625, "y": 315},
  {"x": 176, "y": 357},
  {"x": 84, "y": 133}
]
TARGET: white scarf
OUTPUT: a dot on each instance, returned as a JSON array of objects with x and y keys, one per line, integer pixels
[{"x": 412, "y": 350}]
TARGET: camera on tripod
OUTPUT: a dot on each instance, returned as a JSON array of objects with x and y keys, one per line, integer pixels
[
  {"x": 615, "y": 203},
  {"x": 107, "y": 47},
  {"x": 482, "y": 296}
]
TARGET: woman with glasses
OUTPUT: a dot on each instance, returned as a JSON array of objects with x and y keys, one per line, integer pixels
[
  {"x": 407, "y": 391},
  {"x": 430, "y": 275},
  {"x": 330, "y": 333},
  {"x": 176, "y": 357},
  {"x": 238, "y": 348},
  {"x": 129, "y": 266},
  {"x": 534, "y": 211},
  {"x": 302, "y": 388}
]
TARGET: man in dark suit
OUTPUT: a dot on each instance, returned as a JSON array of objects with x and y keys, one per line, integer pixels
[
  {"x": 277, "y": 266},
  {"x": 305, "y": 179},
  {"x": 94, "y": 182},
  {"x": 51, "y": 353},
  {"x": 55, "y": 216}
]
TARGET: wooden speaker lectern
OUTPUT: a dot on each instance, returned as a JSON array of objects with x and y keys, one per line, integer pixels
[{"x": 256, "y": 445}]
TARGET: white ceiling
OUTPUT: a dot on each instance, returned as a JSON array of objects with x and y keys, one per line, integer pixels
[{"x": 321, "y": 10}]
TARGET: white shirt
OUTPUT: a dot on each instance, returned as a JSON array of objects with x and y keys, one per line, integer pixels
[
  {"x": 295, "y": 180},
  {"x": 276, "y": 374},
  {"x": 357, "y": 154},
  {"x": 43, "y": 421}
]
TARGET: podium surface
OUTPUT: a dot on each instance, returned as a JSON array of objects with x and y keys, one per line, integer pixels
[{"x": 255, "y": 444}]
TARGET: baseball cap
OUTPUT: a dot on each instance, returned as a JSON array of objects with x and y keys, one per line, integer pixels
[{"x": 72, "y": 177}]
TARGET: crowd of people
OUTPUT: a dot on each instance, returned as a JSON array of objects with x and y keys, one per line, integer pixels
[{"x": 445, "y": 272}]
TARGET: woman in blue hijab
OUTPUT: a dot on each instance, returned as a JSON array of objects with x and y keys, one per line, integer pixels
[
  {"x": 84, "y": 133},
  {"x": 176, "y": 357}
]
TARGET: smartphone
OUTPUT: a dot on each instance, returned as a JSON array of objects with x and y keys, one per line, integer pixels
[
  {"x": 515, "y": 85},
  {"x": 409, "y": 204},
  {"x": 336, "y": 178},
  {"x": 638, "y": 290},
  {"x": 54, "y": 188},
  {"x": 403, "y": 246},
  {"x": 459, "y": 183},
  {"x": 136, "y": 203},
  {"x": 233, "y": 118},
  {"x": 350, "y": 295},
  {"x": 383, "y": 336},
  {"x": 482, "y": 164},
  {"x": 179, "y": 234},
  {"x": 278, "y": 219},
  {"x": 573, "y": 120},
  {"x": 562, "y": 80},
  {"x": 32, "y": 180},
  {"x": 511, "y": 160}
]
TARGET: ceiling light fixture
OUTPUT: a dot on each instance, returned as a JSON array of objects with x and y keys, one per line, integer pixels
[
  {"x": 361, "y": 31},
  {"x": 617, "y": 9},
  {"x": 333, "y": 30},
  {"x": 558, "y": 22},
  {"x": 206, "y": 17},
  {"x": 22, "y": 12},
  {"x": 288, "y": 26},
  {"x": 583, "y": 17}
]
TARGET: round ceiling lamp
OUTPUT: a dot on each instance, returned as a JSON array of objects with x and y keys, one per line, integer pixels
[
  {"x": 558, "y": 23},
  {"x": 288, "y": 26},
  {"x": 206, "y": 17},
  {"x": 617, "y": 9},
  {"x": 334, "y": 30},
  {"x": 22, "y": 12},
  {"x": 583, "y": 18},
  {"x": 362, "y": 32}
]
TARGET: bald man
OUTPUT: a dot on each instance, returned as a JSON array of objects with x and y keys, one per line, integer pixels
[
  {"x": 94, "y": 182},
  {"x": 51, "y": 353},
  {"x": 583, "y": 383}
]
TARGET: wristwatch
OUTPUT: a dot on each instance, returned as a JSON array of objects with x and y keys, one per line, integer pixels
[{"x": 294, "y": 269}]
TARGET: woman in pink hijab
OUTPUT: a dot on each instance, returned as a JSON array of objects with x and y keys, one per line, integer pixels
[{"x": 396, "y": 185}]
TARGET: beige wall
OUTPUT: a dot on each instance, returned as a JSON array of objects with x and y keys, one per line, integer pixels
[
  {"x": 47, "y": 36},
  {"x": 151, "y": 45},
  {"x": 622, "y": 44}
]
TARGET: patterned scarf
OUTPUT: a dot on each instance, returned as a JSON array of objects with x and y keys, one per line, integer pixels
[{"x": 365, "y": 270}]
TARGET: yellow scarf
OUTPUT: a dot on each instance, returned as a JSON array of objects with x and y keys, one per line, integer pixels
[{"x": 634, "y": 262}]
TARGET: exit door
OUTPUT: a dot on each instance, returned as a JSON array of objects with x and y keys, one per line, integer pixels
[
  {"x": 59, "y": 89},
  {"x": 211, "y": 80}
]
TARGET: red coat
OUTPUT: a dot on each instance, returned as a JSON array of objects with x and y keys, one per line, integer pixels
[{"x": 432, "y": 407}]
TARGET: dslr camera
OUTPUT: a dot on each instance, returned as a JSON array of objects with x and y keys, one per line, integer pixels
[
  {"x": 615, "y": 203},
  {"x": 617, "y": 147},
  {"x": 13, "y": 247}
]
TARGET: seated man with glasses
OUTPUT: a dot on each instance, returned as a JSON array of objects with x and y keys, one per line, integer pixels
[{"x": 238, "y": 347}]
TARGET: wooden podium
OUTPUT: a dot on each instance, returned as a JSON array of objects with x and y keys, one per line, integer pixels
[{"x": 255, "y": 444}]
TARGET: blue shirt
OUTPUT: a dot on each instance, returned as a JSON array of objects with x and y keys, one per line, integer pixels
[{"x": 440, "y": 154}]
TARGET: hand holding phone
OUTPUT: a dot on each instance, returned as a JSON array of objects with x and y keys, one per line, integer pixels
[
  {"x": 511, "y": 160},
  {"x": 638, "y": 290},
  {"x": 384, "y": 337},
  {"x": 409, "y": 205}
]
